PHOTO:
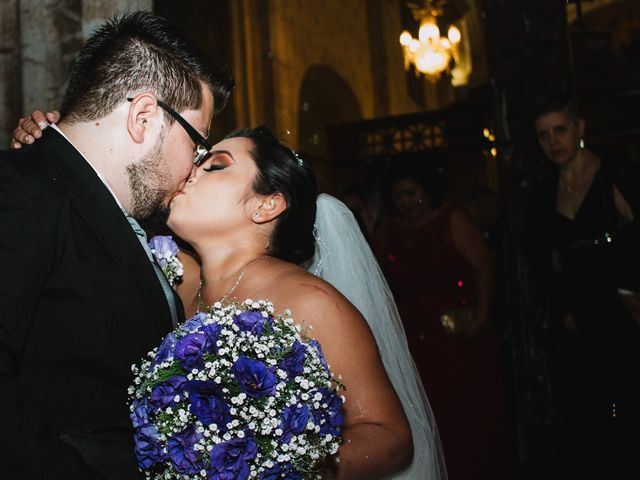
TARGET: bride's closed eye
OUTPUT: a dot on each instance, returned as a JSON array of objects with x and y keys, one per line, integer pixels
[
  {"x": 213, "y": 167},
  {"x": 220, "y": 159}
]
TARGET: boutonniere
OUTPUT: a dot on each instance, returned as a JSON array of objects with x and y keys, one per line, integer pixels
[{"x": 165, "y": 251}]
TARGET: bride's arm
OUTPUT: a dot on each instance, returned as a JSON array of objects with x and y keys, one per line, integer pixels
[{"x": 377, "y": 437}]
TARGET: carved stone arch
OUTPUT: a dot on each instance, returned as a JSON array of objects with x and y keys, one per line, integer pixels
[{"x": 325, "y": 97}]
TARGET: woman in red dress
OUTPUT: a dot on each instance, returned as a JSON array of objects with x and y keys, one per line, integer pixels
[{"x": 439, "y": 269}]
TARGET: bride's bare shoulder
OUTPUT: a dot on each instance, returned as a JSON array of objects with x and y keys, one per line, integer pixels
[
  {"x": 300, "y": 283},
  {"x": 290, "y": 286},
  {"x": 311, "y": 296}
]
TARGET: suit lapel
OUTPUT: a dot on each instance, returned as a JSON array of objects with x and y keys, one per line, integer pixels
[{"x": 102, "y": 214}]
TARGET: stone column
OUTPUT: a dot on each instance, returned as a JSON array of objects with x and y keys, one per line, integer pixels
[
  {"x": 10, "y": 74},
  {"x": 39, "y": 39},
  {"x": 94, "y": 12},
  {"x": 528, "y": 53},
  {"x": 49, "y": 37}
]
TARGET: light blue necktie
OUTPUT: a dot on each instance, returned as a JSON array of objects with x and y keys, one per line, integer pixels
[{"x": 168, "y": 291}]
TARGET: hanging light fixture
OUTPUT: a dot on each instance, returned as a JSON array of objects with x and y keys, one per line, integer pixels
[{"x": 431, "y": 54}]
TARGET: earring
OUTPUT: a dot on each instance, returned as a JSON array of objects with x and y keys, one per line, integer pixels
[
  {"x": 581, "y": 144},
  {"x": 256, "y": 214}
]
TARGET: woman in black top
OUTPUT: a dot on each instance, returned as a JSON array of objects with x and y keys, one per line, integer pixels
[{"x": 581, "y": 229}]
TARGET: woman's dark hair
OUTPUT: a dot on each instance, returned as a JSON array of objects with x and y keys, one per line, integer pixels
[
  {"x": 281, "y": 170},
  {"x": 431, "y": 179},
  {"x": 557, "y": 103},
  {"x": 137, "y": 51}
]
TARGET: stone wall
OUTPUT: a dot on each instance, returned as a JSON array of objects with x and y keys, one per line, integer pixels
[{"x": 38, "y": 41}]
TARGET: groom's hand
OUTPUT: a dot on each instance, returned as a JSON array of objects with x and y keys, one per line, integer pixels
[{"x": 30, "y": 128}]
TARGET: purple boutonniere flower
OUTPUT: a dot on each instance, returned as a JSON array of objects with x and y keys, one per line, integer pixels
[{"x": 165, "y": 251}]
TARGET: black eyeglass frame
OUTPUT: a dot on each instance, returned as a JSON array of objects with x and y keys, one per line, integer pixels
[{"x": 203, "y": 147}]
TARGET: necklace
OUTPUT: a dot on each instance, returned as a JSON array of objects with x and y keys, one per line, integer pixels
[{"x": 233, "y": 287}]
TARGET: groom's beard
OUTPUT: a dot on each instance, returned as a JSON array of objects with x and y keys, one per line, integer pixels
[{"x": 150, "y": 185}]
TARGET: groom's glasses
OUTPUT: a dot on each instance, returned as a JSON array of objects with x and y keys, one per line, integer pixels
[{"x": 202, "y": 146}]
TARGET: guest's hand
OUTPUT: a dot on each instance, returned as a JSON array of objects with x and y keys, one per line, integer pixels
[{"x": 30, "y": 128}]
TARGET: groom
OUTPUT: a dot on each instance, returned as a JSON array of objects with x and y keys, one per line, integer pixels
[{"x": 80, "y": 299}]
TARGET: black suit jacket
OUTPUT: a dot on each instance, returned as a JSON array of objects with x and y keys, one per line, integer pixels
[{"x": 79, "y": 303}]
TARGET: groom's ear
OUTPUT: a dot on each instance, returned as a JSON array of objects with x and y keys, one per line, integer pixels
[
  {"x": 143, "y": 112},
  {"x": 270, "y": 208}
]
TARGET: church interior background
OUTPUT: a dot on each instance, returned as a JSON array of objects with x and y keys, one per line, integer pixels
[{"x": 330, "y": 76}]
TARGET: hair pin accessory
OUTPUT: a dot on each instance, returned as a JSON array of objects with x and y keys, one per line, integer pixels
[{"x": 298, "y": 158}]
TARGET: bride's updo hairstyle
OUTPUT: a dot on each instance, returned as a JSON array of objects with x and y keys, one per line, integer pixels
[{"x": 281, "y": 170}]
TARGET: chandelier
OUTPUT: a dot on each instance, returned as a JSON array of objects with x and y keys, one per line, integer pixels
[{"x": 431, "y": 53}]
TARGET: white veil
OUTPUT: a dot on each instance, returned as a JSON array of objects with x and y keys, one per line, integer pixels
[{"x": 343, "y": 258}]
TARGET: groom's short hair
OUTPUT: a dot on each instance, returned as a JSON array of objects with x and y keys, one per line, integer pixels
[{"x": 136, "y": 52}]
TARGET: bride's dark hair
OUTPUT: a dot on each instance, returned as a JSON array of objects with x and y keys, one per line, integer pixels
[{"x": 281, "y": 170}]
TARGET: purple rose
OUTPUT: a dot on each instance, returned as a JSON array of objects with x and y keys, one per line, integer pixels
[
  {"x": 140, "y": 415},
  {"x": 190, "y": 350},
  {"x": 293, "y": 361},
  {"x": 329, "y": 418},
  {"x": 230, "y": 460},
  {"x": 315, "y": 344},
  {"x": 163, "y": 394},
  {"x": 212, "y": 332},
  {"x": 208, "y": 404},
  {"x": 194, "y": 323},
  {"x": 294, "y": 421},
  {"x": 254, "y": 377},
  {"x": 252, "y": 322},
  {"x": 148, "y": 450},
  {"x": 281, "y": 470},
  {"x": 184, "y": 458},
  {"x": 165, "y": 349}
]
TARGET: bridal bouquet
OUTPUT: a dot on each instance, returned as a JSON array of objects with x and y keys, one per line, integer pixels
[{"x": 235, "y": 393}]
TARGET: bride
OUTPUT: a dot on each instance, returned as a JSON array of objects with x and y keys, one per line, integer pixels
[{"x": 250, "y": 214}]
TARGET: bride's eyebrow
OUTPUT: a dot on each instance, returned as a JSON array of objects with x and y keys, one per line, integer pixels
[{"x": 224, "y": 152}]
